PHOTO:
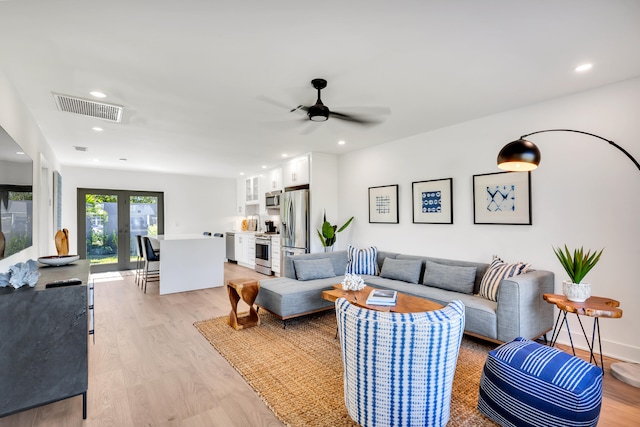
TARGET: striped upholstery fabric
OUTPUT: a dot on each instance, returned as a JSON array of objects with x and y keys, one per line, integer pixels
[
  {"x": 498, "y": 270},
  {"x": 362, "y": 261},
  {"x": 398, "y": 368},
  {"x": 528, "y": 384}
]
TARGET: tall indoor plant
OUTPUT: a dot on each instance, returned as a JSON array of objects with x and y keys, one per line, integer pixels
[
  {"x": 577, "y": 265},
  {"x": 328, "y": 234}
]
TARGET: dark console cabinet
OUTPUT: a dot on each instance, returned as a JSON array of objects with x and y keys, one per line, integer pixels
[{"x": 43, "y": 341}]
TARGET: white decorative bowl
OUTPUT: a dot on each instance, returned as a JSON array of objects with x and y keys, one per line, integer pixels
[{"x": 58, "y": 260}]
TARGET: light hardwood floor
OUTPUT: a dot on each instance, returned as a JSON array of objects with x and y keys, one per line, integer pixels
[{"x": 150, "y": 367}]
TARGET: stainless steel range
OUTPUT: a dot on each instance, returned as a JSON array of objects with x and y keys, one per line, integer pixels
[{"x": 263, "y": 254}]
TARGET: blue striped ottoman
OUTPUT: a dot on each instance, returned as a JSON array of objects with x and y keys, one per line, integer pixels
[{"x": 528, "y": 384}]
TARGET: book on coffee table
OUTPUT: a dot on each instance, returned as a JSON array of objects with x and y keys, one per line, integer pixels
[{"x": 382, "y": 297}]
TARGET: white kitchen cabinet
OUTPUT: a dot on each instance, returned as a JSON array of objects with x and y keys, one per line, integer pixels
[
  {"x": 251, "y": 251},
  {"x": 240, "y": 196},
  {"x": 239, "y": 246},
  {"x": 296, "y": 172},
  {"x": 274, "y": 180},
  {"x": 246, "y": 249},
  {"x": 252, "y": 190},
  {"x": 275, "y": 255}
]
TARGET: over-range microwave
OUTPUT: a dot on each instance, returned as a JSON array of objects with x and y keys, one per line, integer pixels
[{"x": 272, "y": 199}]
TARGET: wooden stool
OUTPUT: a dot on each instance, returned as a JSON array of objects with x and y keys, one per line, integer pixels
[{"x": 247, "y": 289}]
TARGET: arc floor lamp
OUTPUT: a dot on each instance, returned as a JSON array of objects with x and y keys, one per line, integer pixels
[{"x": 522, "y": 155}]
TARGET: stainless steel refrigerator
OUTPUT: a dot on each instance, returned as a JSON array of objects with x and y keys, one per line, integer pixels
[{"x": 295, "y": 231}]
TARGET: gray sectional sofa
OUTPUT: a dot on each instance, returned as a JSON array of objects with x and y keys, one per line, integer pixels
[{"x": 520, "y": 310}]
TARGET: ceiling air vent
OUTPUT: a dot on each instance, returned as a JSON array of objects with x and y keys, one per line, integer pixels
[{"x": 86, "y": 107}]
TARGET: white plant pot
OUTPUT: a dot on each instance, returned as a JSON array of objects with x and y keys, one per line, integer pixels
[{"x": 576, "y": 292}]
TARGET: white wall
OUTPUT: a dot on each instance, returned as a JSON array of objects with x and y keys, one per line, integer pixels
[
  {"x": 191, "y": 204},
  {"x": 18, "y": 122},
  {"x": 585, "y": 192}
]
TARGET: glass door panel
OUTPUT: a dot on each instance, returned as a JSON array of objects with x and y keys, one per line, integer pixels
[
  {"x": 101, "y": 228},
  {"x": 143, "y": 220}
]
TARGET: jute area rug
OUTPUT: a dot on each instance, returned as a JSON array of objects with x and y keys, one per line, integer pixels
[{"x": 297, "y": 371}]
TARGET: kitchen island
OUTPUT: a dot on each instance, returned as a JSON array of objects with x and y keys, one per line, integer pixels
[{"x": 190, "y": 262}]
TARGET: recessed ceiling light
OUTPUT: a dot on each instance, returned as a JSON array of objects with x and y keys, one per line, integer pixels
[
  {"x": 20, "y": 153},
  {"x": 341, "y": 142},
  {"x": 97, "y": 94},
  {"x": 264, "y": 166},
  {"x": 285, "y": 155},
  {"x": 584, "y": 67},
  {"x": 97, "y": 129},
  {"x": 241, "y": 173}
]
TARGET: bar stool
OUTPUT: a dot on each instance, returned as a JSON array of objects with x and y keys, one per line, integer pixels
[
  {"x": 139, "y": 259},
  {"x": 150, "y": 255}
]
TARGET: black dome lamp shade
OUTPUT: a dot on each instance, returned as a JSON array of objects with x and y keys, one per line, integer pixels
[{"x": 522, "y": 155}]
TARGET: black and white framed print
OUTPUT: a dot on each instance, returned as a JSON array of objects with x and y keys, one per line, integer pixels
[
  {"x": 383, "y": 204},
  {"x": 433, "y": 201},
  {"x": 502, "y": 198}
]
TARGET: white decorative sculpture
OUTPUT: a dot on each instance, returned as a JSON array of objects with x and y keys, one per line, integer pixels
[
  {"x": 352, "y": 282},
  {"x": 20, "y": 274}
]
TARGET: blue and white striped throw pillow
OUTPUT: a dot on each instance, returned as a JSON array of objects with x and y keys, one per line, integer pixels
[
  {"x": 362, "y": 261},
  {"x": 498, "y": 270}
]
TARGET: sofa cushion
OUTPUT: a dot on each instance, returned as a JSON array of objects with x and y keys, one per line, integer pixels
[
  {"x": 449, "y": 277},
  {"x": 311, "y": 269},
  {"x": 407, "y": 270},
  {"x": 498, "y": 270},
  {"x": 362, "y": 261}
]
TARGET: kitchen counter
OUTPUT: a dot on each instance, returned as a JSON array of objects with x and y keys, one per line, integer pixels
[{"x": 189, "y": 262}]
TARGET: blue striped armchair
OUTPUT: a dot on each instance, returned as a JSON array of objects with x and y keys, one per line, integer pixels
[{"x": 398, "y": 368}]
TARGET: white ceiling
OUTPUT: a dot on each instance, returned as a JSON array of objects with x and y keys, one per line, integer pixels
[{"x": 207, "y": 85}]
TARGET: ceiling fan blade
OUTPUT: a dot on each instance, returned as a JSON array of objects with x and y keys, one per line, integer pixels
[
  {"x": 355, "y": 119},
  {"x": 299, "y": 107},
  {"x": 273, "y": 102},
  {"x": 369, "y": 111}
]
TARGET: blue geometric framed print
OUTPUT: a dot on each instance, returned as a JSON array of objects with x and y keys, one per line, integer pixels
[
  {"x": 502, "y": 198},
  {"x": 383, "y": 204},
  {"x": 433, "y": 201}
]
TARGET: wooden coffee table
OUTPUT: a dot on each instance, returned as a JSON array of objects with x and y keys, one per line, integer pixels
[{"x": 405, "y": 304}]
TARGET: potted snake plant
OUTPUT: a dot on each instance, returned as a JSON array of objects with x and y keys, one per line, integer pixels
[
  {"x": 328, "y": 234},
  {"x": 577, "y": 265}
]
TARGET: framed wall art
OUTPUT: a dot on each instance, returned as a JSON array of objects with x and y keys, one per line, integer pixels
[
  {"x": 433, "y": 201},
  {"x": 502, "y": 198},
  {"x": 383, "y": 204}
]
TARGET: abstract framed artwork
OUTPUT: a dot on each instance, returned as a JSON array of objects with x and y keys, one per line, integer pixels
[
  {"x": 502, "y": 198},
  {"x": 57, "y": 200},
  {"x": 383, "y": 204},
  {"x": 433, "y": 201}
]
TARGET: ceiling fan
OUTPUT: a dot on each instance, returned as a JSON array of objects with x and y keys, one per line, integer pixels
[{"x": 319, "y": 112}]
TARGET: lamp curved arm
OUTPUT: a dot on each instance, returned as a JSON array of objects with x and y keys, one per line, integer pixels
[{"x": 635, "y": 162}]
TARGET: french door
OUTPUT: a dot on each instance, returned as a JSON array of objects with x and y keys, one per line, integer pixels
[{"x": 108, "y": 222}]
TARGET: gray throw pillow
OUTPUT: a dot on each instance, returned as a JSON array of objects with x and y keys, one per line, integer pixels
[
  {"x": 310, "y": 269},
  {"x": 407, "y": 270},
  {"x": 449, "y": 277}
]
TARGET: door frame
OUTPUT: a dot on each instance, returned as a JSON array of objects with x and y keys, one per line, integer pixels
[{"x": 124, "y": 220}]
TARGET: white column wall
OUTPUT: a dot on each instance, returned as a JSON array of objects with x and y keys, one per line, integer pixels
[{"x": 585, "y": 192}]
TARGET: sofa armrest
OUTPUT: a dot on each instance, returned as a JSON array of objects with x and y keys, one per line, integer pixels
[{"x": 521, "y": 309}]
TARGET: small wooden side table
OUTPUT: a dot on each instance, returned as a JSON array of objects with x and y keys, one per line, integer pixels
[
  {"x": 247, "y": 289},
  {"x": 595, "y": 307}
]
